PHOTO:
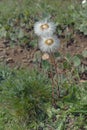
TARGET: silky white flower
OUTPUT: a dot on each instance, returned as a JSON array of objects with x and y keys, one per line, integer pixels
[
  {"x": 49, "y": 44},
  {"x": 43, "y": 28},
  {"x": 84, "y": 1}
]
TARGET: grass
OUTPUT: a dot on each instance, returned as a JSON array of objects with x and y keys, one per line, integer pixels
[
  {"x": 25, "y": 98},
  {"x": 25, "y": 95},
  {"x": 17, "y": 19}
]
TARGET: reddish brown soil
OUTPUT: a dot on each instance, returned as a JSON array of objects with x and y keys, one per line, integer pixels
[
  {"x": 23, "y": 57},
  {"x": 77, "y": 46}
]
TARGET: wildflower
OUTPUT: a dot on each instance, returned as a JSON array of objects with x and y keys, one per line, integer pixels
[
  {"x": 45, "y": 56},
  {"x": 49, "y": 44},
  {"x": 84, "y": 1},
  {"x": 43, "y": 28}
]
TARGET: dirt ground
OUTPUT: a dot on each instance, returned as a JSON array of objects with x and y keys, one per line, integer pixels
[
  {"x": 76, "y": 46},
  {"x": 23, "y": 57}
]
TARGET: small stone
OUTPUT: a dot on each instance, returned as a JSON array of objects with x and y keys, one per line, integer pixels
[
  {"x": 7, "y": 53},
  {"x": 20, "y": 50},
  {"x": 28, "y": 56},
  {"x": 24, "y": 60},
  {"x": 14, "y": 51},
  {"x": 9, "y": 60},
  {"x": 24, "y": 57},
  {"x": 30, "y": 60},
  {"x": 1, "y": 49},
  {"x": 8, "y": 48},
  {"x": 2, "y": 57},
  {"x": 2, "y": 46}
]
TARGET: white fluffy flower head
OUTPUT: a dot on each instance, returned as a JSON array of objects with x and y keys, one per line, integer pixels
[
  {"x": 49, "y": 44},
  {"x": 43, "y": 28},
  {"x": 84, "y": 1}
]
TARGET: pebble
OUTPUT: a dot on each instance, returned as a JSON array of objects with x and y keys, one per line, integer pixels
[
  {"x": 2, "y": 46},
  {"x": 2, "y": 58},
  {"x": 9, "y": 60},
  {"x": 24, "y": 57},
  {"x": 28, "y": 56},
  {"x": 7, "y": 53},
  {"x": 14, "y": 51},
  {"x": 1, "y": 49},
  {"x": 25, "y": 61},
  {"x": 20, "y": 50}
]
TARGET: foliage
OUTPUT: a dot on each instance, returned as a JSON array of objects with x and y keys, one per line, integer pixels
[
  {"x": 26, "y": 95},
  {"x": 17, "y": 26}
]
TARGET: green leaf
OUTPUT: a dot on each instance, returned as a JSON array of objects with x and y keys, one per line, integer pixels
[
  {"x": 76, "y": 60},
  {"x": 3, "y": 32},
  {"x": 68, "y": 56},
  {"x": 84, "y": 53},
  {"x": 21, "y": 34}
]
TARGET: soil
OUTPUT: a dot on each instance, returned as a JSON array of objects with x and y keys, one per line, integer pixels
[
  {"x": 23, "y": 57},
  {"x": 74, "y": 46}
]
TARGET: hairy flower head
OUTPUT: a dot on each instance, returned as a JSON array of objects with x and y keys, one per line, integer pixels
[
  {"x": 84, "y": 1},
  {"x": 49, "y": 44},
  {"x": 43, "y": 28}
]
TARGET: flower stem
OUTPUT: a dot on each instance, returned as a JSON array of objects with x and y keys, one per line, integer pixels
[
  {"x": 56, "y": 70},
  {"x": 53, "y": 88}
]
